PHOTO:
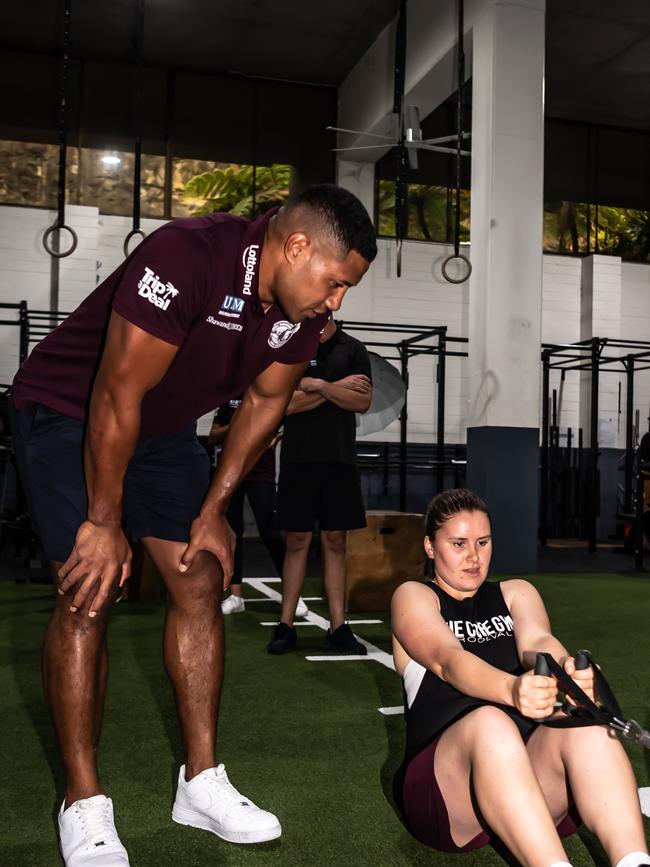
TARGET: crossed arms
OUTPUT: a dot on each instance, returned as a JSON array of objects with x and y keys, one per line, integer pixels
[{"x": 352, "y": 393}]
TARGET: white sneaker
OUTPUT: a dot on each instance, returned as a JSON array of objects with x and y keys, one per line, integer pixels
[
  {"x": 87, "y": 834},
  {"x": 301, "y": 608},
  {"x": 211, "y": 802},
  {"x": 233, "y": 604}
]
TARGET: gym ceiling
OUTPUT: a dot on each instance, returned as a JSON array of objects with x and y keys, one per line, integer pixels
[
  {"x": 232, "y": 60},
  {"x": 598, "y": 51}
]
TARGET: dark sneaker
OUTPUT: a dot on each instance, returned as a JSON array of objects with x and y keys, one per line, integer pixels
[
  {"x": 284, "y": 639},
  {"x": 344, "y": 641}
]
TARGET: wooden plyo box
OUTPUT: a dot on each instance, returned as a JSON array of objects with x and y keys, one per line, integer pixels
[{"x": 381, "y": 556}]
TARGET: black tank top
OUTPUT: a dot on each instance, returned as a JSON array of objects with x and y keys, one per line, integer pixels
[{"x": 483, "y": 625}]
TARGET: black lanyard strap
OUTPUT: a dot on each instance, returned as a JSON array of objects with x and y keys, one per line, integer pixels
[{"x": 607, "y": 713}]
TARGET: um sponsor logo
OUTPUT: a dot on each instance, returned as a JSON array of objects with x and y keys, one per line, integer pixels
[
  {"x": 232, "y": 306},
  {"x": 249, "y": 261},
  {"x": 151, "y": 287}
]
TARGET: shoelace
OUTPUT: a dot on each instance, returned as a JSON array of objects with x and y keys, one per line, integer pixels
[
  {"x": 97, "y": 823},
  {"x": 225, "y": 789}
]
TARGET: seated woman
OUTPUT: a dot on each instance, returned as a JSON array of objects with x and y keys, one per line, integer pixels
[{"x": 479, "y": 763}]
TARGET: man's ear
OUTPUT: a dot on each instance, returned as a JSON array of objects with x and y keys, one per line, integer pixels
[{"x": 296, "y": 247}]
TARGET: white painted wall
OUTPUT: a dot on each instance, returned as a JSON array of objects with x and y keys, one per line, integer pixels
[{"x": 420, "y": 297}]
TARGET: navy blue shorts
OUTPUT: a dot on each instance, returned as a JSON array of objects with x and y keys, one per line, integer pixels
[{"x": 165, "y": 483}]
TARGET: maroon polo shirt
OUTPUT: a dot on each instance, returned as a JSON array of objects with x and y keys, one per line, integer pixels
[
  {"x": 264, "y": 469},
  {"x": 192, "y": 283}
]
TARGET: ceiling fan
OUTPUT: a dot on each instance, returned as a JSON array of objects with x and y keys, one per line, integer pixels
[{"x": 408, "y": 140}]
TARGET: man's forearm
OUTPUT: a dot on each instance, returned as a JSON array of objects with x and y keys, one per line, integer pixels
[
  {"x": 346, "y": 398},
  {"x": 218, "y": 434},
  {"x": 303, "y": 401},
  {"x": 110, "y": 441},
  {"x": 251, "y": 430}
]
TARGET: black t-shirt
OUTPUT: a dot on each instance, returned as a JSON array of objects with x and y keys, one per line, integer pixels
[
  {"x": 327, "y": 433},
  {"x": 484, "y": 627}
]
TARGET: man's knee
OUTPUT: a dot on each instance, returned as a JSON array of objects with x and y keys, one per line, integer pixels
[
  {"x": 202, "y": 582},
  {"x": 334, "y": 540},
  {"x": 79, "y": 622},
  {"x": 298, "y": 543}
]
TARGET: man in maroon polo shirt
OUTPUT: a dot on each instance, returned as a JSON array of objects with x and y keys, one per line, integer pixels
[{"x": 103, "y": 422}]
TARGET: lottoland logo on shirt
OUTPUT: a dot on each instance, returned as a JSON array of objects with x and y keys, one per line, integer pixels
[
  {"x": 249, "y": 261},
  {"x": 151, "y": 287}
]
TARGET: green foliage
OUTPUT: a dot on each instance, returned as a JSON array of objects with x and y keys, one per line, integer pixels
[
  {"x": 431, "y": 212},
  {"x": 621, "y": 232},
  {"x": 233, "y": 188}
]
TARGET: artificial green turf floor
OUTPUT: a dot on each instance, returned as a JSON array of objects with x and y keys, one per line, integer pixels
[{"x": 304, "y": 739}]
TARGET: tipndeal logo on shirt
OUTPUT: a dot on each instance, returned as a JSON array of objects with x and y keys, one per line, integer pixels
[{"x": 151, "y": 287}]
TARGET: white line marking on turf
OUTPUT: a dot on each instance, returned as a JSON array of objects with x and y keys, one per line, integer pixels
[
  {"x": 644, "y": 798},
  {"x": 295, "y": 623},
  {"x": 391, "y": 711},
  {"x": 343, "y": 657},
  {"x": 307, "y": 623},
  {"x": 374, "y": 653},
  {"x": 255, "y": 599},
  {"x": 312, "y": 598}
]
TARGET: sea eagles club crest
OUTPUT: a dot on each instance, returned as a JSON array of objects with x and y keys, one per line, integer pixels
[{"x": 281, "y": 332}]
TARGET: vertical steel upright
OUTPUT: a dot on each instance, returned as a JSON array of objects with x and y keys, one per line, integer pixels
[
  {"x": 403, "y": 426},
  {"x": 543, "y": 482},
  {"x": 593, "y": 507},
  {"x": 629, "y": 434},
  {"x": 441, "y": 370},
  {"x": 23, "y": 318}
]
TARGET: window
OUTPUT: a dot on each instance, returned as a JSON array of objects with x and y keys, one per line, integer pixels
[
  {"x": 29, "y": 174},
  {"x": 202, "y": 188},
  {"x": 577, "y": 228},
  {"x": 431, "y": 212}
]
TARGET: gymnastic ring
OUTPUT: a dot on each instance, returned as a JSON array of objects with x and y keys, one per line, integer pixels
[
  {"x": 64, "y": 253},
  {"x": 456, "y": 279},
  {"x": 132, "y": 234}
]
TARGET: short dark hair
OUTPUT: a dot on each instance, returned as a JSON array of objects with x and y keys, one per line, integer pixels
[
  {"x": 449, "y": 503},
  {"x": 343, "y": 217}
]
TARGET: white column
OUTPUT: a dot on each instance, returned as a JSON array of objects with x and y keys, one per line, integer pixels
[
  {"x": 507, "y": 215},
  {"x": 506, "y": 283}
]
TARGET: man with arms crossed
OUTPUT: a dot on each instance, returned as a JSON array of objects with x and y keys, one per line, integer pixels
[
  {"x": 319, "y": 481},
  {"x": 104, "y": 414}
]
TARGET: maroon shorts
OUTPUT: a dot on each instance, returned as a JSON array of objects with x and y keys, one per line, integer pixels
[{"x": 426, "y": 813}]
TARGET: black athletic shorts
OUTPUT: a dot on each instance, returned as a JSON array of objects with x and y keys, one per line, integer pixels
[
  {"x": 164, "y": 487},
  {"x": 329, "y": 493}
]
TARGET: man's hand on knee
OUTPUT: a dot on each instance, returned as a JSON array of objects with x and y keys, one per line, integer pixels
[
  {"x": 211, "y": 532},
  {"x": 99, "y": 561}
]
